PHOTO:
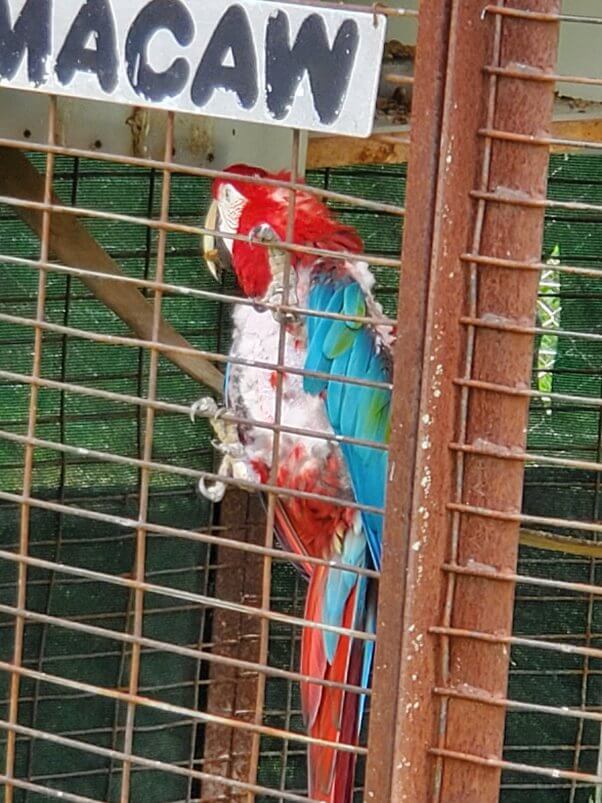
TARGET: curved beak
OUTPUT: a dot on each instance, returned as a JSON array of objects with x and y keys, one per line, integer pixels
[{"x": 211, "y": 251}]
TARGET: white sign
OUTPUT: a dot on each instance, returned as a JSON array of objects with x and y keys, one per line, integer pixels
[{"x": 279, "y": 63}]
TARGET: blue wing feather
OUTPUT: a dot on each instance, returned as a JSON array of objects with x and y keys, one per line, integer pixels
[{"x": 351, "y": 349}]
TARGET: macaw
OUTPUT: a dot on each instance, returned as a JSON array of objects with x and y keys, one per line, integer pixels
[{"x": 339, "y": 471}]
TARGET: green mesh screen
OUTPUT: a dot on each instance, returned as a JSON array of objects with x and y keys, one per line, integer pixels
[
  {"x": 565, "y": 365},
  {"x": 572, "y": 366},
  {"x": 99, "y": 486}
]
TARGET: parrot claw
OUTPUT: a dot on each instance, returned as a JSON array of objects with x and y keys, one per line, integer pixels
[
  {"x": 264, "y": 233},
  {"x": 213, "y": 493},
  {"x": 233, "y": 449},
  {"x": 205, "y": 408},
  {"x": 233, "y": 466}
]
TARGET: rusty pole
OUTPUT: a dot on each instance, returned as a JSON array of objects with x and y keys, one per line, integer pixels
[{"x": 421, "y": 532}]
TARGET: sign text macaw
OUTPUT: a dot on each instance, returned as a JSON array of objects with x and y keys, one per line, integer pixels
[{"x": 279, "y": 63}]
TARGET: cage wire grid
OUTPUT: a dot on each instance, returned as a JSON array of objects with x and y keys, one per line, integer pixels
[
  {"x": 144, "y": 699},
  {"x": 134, "y": 583},
  {"x": 130, "y": 697}
]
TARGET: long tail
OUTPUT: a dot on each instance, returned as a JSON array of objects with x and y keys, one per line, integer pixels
[{"x": 331, "y": 713}]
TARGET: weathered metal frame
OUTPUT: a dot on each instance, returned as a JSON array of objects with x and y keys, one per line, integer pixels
[{"x": 434, "y": 735}]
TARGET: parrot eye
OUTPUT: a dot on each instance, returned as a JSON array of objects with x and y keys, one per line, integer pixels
[{"x": 227, "y": 192}]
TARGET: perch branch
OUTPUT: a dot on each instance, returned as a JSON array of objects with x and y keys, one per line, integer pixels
[
  {"x": 560, "y": 543},
  {"x": 71, "y": 243}
]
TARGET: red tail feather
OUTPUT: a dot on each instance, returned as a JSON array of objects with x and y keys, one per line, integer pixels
[
  {"x": 313, "y": 655},
  {"x": 331, "y": 713}
]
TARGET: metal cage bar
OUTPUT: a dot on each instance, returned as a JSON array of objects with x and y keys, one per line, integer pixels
[
  {"x": 28, "y": 459},
  {"x": 428, "y": 535}
]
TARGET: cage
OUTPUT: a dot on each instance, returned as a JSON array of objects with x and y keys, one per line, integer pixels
[{"x": 150, "y": 636}]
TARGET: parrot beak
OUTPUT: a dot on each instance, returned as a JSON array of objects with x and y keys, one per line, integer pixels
[{"x": 211, "y": 254}]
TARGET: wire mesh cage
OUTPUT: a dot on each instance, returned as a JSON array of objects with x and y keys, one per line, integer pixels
[{"x": 152, "y": 628}]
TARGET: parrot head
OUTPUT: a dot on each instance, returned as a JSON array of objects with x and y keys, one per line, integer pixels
[
  {"x": 240, "y": 207},
  {"x": 229, "y": 198}
]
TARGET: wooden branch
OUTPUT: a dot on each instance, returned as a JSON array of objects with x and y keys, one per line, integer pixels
[
  {"x": 539, "y": 539},
  {"x": 71, "y": 243},
  {"x": 381, "y": 148}
]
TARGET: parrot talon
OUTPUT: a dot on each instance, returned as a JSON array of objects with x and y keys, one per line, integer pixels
[
  {"x": 230, "y": 449},
  {"x": 204, "y": 408},
  {"x": 213, "y": 493}
]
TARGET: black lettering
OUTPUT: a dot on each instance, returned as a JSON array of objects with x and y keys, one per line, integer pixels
[
  {"x": 173, "y": 16},
  {"x": 231, "y": 40},
  {"x": 95, "y": 19},
  {"x": 329, "y": 68},
  {"x": 31, "y": 32}
]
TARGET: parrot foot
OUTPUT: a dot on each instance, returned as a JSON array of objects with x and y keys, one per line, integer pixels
[
  {"x": 278, "y": 260},
  {"x": 227, "y": 443},
  {"x": 208, "y": 408}
]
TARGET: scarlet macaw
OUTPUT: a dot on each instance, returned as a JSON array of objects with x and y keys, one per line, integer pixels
[{"x": 328, "y": 467}]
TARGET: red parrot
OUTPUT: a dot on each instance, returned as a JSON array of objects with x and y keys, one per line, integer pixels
[{"x": 346, "y": 474}]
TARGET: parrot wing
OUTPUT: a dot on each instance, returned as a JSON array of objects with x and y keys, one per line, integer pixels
[{"x": 352, "y": 350}]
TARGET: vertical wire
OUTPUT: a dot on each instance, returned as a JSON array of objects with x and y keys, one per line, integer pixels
[
  {"x": 464, "y": 399},
  {"x": 266, "y": 585},
  {"x": 588, "y": 641},
  {"x": 141, "y": 532},
  {"x": 61, "y": 497},
  {"x": 13, "y": 712},
  {"x": 593, "y": 566},
  {"x": 118, "y": 706},
  {"x": 194, "y": 739},
  {"x": 289, "y": 689}
]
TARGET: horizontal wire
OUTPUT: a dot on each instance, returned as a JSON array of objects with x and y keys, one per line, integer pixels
[
  {"x": 544, "y": 521},
  {"x": 181, "y": 471},
  {"x": 160, "y": 766},
  {"x": 528, "y": 73},
  {"x": 491, "y": 573},
  {"x": 170, "y": 708},
  {"x": 200, "y": 172},
  {"x": 518, "y": 641},
  {"x": 499, "y": 262},
  {"x": 498, "y": 763},
  {"x": 519, "y": 329},
  {"x": 177, "y": 532},
  {"x": 503, "y": 453},
  {"x": 478, "y": 696},
  {"x": 176, "y": 649},
  {"x": 134, "y": 342},
  {"x": 197, "y": 231},
  {"x": 55, "y": 794},
  {"x": 187, "y": 596},
  {"x": 503, "y": 196},
  {"x": 540, "y": 16},
  {"x": 187, "y": 291},
  {"x": 171, "y": 407},
  {"x": 506, "y": 390},
  {"x": 537, "y": 139}
]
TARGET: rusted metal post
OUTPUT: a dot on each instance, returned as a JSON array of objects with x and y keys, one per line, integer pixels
[
  {"x": 421, "y": 532},
  {"x": 429, "y": 87}
]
